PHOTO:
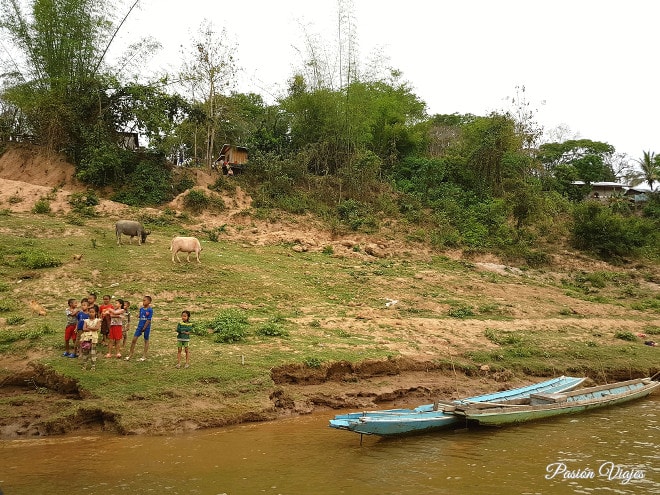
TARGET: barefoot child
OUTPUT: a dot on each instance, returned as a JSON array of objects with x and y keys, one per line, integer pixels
[
  {"x": 115, "y": 332},
  {"x": 105, "y": 318},
  {"x": 143, "y": 327},
  {"x": 126, "y": 323},
  {"x": 82, "y": 315},
  {"x": 89, "y": 338},
  {"x": 183, "y": 330},
  {"x": 70, "y": 330}
]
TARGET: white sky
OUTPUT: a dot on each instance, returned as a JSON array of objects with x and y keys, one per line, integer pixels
[{"x": 589, "y": 64}]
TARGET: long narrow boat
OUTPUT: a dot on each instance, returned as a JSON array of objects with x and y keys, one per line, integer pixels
[
  {"x": 438, "y": 415},
  {"x": 543, "y": 405}
]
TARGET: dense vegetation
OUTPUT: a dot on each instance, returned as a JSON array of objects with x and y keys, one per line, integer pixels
[{"x": 358, "y": 149}]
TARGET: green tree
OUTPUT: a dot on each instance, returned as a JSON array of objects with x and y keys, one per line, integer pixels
[
  {"x": 208, "y": 74},
  {"x": 650, "y": 165}
]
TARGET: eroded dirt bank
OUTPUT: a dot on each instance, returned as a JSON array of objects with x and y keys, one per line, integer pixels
[{"x": 35, "y": 393}]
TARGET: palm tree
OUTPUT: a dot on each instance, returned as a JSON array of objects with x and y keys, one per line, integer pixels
[{"x": 650, "y": 167}]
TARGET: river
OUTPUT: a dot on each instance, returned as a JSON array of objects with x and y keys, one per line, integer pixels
[{"x": 612, "y": 451}]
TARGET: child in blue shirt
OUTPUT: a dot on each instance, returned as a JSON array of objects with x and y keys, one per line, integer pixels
[{"x": 143, "y": 328}]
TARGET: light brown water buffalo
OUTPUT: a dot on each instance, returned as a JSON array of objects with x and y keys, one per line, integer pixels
[{"x": 185, "y": 245}]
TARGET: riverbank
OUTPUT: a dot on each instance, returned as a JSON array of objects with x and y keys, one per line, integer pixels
[{"x": 322, "y": 319}]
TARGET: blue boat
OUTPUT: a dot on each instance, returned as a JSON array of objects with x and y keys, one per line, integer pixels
[{"x": 439, "y": 414}]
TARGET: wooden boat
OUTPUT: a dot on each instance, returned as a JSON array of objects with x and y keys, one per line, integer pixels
[
  {"x": 439, "y": 414},
  {"x": 543, "y": 405}
]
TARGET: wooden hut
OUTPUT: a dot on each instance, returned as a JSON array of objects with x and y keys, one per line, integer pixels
[{"x": 234, "y": 156}]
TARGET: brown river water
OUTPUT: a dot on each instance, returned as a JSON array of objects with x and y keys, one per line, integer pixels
[{"x": 611, "y": 451}]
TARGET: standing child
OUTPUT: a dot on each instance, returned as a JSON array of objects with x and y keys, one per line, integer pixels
[
  {"x": 105, "y": 318},
  {"x": 83, "y": 314},
  {"x": 91, "y": 302},
  {"x": 183, "y": 330},
  {"x": 115, "y": 332},
  {"x": 126, "y": 323},
  {"x": 89, "y": 338},
  {"x": 143, "y": 327},
  {"x": 70, "y": 329}
]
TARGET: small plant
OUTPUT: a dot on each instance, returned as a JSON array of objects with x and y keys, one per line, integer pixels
[
  {"x": 650, "y": 330},
  {"x": 42, "y": 206},
  {"x": 503, "y": 338},
  {"x": 38, "y": 259},
  {"x": 461, "y": 312},
  {"x": 272, "y": 329},
  {"x": 6, "y": 305},
  {"x": 4, "y": 287},
  {"x": 93, "y": 241},
  {"x": 15, "y": 320},
  {"x": 315, "y": 324},
  {"x": 329, "y": 250},
  {"x": 313, "y": 362},
  {"x": 629, "y": 336},
  {"x": 15, "y": 198},
  {"x": 74, "y": 219},
  {"x": 213, "y": 236}
]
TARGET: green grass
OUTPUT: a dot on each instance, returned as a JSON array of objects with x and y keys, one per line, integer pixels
[{"x": 307, "y": 308}]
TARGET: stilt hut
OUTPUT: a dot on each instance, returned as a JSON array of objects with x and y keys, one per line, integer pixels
[{"x": 234, "y": 157}]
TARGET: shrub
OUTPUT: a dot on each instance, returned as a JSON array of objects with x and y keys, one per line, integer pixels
[
  {"x": 196, "y": 200},
  {"x": 37, "y": 259},
  {"x": 15, "y": 320},
  {"x": 83, "y": 203},
  {"x": 271, "y": 329},
  {"x": 629, "y": 336},
  {"x": 42, "y": 206},
  {"x": 328, "y": 250},
  {"x": 596, "y": 228},
  {"x": 6, "y": 305},
  {"x": 15, "y": 198},
  {"x": 461, "y": 312},
  {"x": 149, "y": 184},
  {"x": 229, "y": 326}
]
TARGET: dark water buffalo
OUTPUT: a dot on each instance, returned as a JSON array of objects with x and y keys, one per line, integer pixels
[{"x": 131, "y": 228}]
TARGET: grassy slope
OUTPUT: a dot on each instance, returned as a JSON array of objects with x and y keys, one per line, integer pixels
[{"x": 332, "y": 307}]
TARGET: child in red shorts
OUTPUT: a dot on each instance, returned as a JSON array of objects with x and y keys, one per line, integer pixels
[
  {"x": 115, "y": 334},
  {"x": 70, "y": 329}
]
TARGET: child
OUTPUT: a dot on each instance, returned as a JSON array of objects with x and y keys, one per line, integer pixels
[
  {"x": 70, "y": 329},
  {"x": 91, "y": 301},
  {"x": 183, "y": 330},
  {"x": 143, "y": 327},
  {"x": 126, "y": 323},
  {"x": 89, "y": 338},
  {"x": 115, "y": 332},
  {"x": 105, "y": 318},
  {"x": 82, "y": 316}
]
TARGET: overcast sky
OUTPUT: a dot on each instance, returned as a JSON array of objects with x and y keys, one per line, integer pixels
[{"x": 589, "y": 64}]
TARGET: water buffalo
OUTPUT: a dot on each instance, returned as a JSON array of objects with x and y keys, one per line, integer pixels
[
  {"x": 131, "y": 228},
  {"x": 185, "y": 245}
]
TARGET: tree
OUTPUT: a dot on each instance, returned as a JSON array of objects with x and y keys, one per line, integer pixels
[
  {"x": 650, "y": 165},
  {"x": 208, "y": 73},
  {"x": 58, "y": 66}
]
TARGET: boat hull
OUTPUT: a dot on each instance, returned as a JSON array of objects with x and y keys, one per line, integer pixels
[{"x": 574, "y": 402}]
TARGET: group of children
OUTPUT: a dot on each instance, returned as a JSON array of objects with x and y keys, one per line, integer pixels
[{"x": 112, "y": 321}]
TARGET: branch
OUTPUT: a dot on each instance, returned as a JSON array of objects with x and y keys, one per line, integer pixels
[{"x": 112, "y": 38}]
